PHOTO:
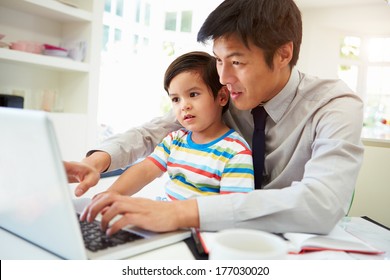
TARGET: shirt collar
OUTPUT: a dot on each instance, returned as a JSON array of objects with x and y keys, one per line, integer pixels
[{"x": 277, "y": 106}]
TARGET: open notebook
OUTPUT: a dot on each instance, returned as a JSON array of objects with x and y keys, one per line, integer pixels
[
  {"x": 337, "y": 240},
  {"x": 36, "y": 203}
]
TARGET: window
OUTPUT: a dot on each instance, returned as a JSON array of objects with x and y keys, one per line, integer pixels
[
  {"x": 350, "y": 48},
  {"x": 186, "y": 21},
  {"x": 138, "y": 11},
  {"x": 379, "y": 50},
  {"x": 118, "y": 34},
  {"x": 170, "y": 21},
  {"x": 349, "y": 74},
  {"x": 147, "y": 14},
  {"x": 107, "y": 6},
  {"x": 106, "y": 34},
  {"x": 119, "y": 8},
  {"x": 365, "y": 67},
  {"x": 137, "y": 48}
]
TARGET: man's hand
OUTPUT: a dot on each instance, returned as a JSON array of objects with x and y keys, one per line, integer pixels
[
  {"x": 158, "y": 216},
  {"x": 82, "y": 173}
]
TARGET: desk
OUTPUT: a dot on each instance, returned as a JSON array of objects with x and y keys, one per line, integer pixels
[{"x": 12, "y": 247}]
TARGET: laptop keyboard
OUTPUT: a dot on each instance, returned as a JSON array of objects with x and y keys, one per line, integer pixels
[{"x": 95, "y": 239}]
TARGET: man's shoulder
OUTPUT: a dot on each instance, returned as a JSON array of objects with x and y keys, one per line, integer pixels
[{"x": 314, "y": 87}]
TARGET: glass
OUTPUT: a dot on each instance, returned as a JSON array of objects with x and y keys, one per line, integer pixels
[
  {"x": 147, "y": 14},
  {"x": 119, "y": 8},
  {"x": 349, "y": 74},
  {"x": 105, "y": 37},
  {"x": 186, "y": 21},
  {"x": 118, "y": 34},
  {"x": 107, "y": 6},
  {"x": 170, "y": 21},
  {"x": 379, "y": 50},
  {"x": 350, "y": 47}
]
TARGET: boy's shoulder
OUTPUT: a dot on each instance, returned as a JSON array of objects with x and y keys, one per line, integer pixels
[
  {"x": 180, "y": 133},
  {"x": 235, "y": 137}
]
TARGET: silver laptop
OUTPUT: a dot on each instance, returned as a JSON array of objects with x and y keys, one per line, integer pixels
[{"x": 35, "y": 199}]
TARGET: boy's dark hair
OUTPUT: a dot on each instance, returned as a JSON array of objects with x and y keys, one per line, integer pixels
[
  {"x": 200, "y": 62},
  {"x": 268, "y": 24}
]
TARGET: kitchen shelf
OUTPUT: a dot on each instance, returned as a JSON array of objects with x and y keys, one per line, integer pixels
[
  {"x": 39, "y": 60},
  {"x": 75, "y": 83},
  {"x": 49, "y": 9}
]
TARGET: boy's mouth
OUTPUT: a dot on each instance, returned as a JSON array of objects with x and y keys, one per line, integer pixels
[{"x": 186, "y": 117}]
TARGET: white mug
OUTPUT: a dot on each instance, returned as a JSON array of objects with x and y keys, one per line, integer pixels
[{"x": 247, "y": 244}]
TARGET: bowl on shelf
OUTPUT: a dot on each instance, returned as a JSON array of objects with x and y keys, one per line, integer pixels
[
  {"x": 27, "y": 46},
  {"x": 54, "y": 51},
  {"x": 4, "y": 45}
]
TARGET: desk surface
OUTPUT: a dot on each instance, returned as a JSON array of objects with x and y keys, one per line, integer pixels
[{"x": 13, "y": 247}]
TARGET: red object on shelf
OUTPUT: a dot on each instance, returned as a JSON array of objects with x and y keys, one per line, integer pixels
[{"x": 51, "y": 47}]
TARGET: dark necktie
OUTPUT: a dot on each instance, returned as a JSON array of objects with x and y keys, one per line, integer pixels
[{"x": 258, "y": 144}]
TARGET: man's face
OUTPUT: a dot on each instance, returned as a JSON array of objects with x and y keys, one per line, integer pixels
[{"x": 245, "y": 73}]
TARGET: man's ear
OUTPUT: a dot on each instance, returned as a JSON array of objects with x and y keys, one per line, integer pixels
[
  {"x": 223, "y": 96},
  {"x": 284, "y": 54}
]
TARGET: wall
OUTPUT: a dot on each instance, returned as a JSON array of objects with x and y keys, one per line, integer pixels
[
  {"x": 372, "y": 192},
  {"x": 323, "y": 29}
]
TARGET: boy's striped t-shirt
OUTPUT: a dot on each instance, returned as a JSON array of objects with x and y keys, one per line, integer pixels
[{"x": 219, "y": 167}]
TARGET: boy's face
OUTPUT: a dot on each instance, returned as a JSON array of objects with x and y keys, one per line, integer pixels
[
  {"x": 246, "y": 74},
  {"x": 193, "y": 102}
]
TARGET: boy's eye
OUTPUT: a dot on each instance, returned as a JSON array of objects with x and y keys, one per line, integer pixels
[
  {"x": 193, "y": 94},
  {"x": 175, "y": 99}
]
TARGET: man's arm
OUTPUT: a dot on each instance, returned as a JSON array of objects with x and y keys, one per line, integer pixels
[
  {"x": 119, "y": 152},
  {"x": 137, "y": 143}
]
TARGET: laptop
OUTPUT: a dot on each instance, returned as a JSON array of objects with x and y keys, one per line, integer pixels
[{"x": 36, "y": 203}]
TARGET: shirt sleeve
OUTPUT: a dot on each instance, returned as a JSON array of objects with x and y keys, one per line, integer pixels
[
  {"x": 161, "y": 153},
  {"x": 137, "y": 143},
  {"x": 238, "y": 174}
]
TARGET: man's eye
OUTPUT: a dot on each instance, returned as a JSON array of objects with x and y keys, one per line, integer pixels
[{"x": 236, "y": 63}]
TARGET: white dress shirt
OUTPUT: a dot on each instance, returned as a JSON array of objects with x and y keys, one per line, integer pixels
[{"x": 313, "y": 157}]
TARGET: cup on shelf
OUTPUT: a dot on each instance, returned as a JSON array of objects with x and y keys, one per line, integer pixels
[
  {"x": 77, "y": 50},
  {"x": 48, "y": 100},
  {"x": 247, "y": 244}
]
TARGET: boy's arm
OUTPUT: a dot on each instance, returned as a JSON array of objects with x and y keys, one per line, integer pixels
[
  {"x": 238, "y": 174},
  {"x": 135, "y": 178}
]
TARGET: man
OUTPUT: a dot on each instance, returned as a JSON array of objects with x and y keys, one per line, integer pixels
[{"x": 313, "y": 151}]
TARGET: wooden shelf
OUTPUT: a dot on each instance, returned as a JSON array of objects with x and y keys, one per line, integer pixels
[
  {"x": 55, "y": 63},
  {"x": 49, "y": 9}
]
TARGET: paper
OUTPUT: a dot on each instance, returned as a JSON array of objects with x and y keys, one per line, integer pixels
[{"x": 337, "y": 240}]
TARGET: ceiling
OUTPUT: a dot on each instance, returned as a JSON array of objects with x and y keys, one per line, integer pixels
[{"x": 334, "y": 3}]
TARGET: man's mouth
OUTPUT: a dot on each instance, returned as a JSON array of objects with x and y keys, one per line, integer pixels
[{"x": 234, "y": 94}]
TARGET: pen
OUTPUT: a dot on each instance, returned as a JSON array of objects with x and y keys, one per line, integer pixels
[{"x": 198, "y": 243}]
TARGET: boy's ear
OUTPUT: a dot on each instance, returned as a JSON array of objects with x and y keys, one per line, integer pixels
[{"x": 223, "y": 96}]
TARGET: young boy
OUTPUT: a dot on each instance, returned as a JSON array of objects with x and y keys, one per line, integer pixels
[{"x": 205, "y": 157}]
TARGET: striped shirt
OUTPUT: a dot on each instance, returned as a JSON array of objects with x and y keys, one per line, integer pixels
[{"x": 222, "y": 166}]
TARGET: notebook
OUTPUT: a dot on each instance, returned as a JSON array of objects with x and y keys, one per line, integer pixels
[
  {"x": 337, "y": 240},
  {"x": 36, "y": 203}
]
